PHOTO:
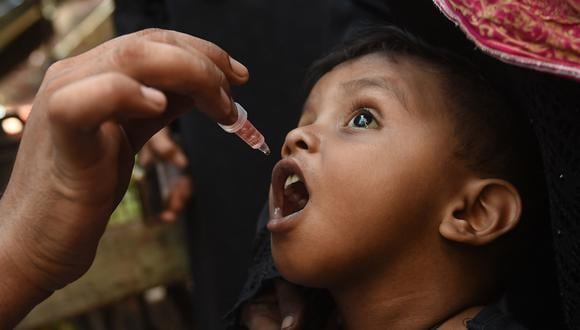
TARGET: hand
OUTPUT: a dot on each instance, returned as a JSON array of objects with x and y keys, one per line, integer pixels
[
  {"x": 92, "y": 113},
  {"x": 162, "y": 147},
  {"x": 282, "y": 307}
]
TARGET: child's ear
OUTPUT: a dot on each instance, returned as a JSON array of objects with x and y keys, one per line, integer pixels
[{"x": 485, "y": 210}]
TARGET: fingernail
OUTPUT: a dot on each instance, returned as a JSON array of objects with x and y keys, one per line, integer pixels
[
  {"x": 238, "y": 68},
  {"x": 288, "y": 322},
  {"x": 153, "y": 95}
]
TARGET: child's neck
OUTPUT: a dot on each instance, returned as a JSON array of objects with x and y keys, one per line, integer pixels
[{"x": 426, "y": 296}]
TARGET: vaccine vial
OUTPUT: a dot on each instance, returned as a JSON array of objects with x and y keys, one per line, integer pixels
[{"x": 244, "y": 129}]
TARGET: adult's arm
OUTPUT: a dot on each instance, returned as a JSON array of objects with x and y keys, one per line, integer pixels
[{"x": 92, "y": 113}]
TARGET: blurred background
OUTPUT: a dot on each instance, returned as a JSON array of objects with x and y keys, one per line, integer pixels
[
  {"x": 187, "y": 274},
  {"x": 140, "y": 278},
  {"x": 143, "y": 271}
]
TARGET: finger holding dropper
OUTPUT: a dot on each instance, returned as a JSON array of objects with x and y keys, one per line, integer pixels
[{"x": 244, "y": 129}]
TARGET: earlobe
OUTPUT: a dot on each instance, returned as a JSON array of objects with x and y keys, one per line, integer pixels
[{"x": 484, "y": 210}]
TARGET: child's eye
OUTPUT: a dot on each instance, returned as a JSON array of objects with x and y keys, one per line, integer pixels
[{"x": 363, "y": 118}]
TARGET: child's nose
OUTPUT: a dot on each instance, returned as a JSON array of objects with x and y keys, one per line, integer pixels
[{"x": 300, "y": 138}]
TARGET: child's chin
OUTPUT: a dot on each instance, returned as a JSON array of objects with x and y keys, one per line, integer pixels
[{"x": 300, "y": 271}]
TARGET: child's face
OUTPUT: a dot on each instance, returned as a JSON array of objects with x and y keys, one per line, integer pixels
[{"x": 373, "y": 149}]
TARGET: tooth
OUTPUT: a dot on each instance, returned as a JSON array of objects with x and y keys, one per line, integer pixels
[{"x": 290, "y": 180}]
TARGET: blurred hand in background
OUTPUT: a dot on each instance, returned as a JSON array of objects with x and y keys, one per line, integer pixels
[{"x": 161, "y": 147}]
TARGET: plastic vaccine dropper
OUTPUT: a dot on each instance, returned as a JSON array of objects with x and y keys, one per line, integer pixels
[{"x": 246, "y": 131}]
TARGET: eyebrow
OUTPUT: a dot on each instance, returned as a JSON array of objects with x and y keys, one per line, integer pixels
[{"x": 356, "y": 85}]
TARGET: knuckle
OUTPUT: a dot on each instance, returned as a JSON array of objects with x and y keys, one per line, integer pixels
[
  {"x": 223, "y": 58},
  {"x": 56, "y": 109},
  {"x": 130, "y": 51},
  {"x": 56, "y": 76},
  {"x": 151, "y": 31},
  {"x": 54, "y": 68},
  {"x": 203, "y": 68},
  {"x": 217, "y": 53},
  {"x": 215, "y": 77},
  {"x": 211, "y": 48},
  {"x": 58, "y": 67},
  {"x": 160, "y": 35}
]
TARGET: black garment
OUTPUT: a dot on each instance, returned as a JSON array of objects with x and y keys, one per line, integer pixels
[
  {"x": 492, "y": 318},
  {"x": 277, "y": 41},
  {"x": 553, "y": 109},
  {"x": 320, "y": 306},
  {"x": 552, "y": 104}
]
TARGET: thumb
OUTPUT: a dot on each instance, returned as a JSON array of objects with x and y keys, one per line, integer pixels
[
  {"x": 291, "y": 304},
  {"x": 78, "y": 111}
]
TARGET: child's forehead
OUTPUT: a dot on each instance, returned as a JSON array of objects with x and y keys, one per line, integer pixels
[{"x": 401, "y": 77}]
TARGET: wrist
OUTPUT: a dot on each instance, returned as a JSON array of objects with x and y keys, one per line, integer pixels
[{"x": 18, "y": 292}]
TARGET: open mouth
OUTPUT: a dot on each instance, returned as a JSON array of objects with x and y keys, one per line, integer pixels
[{"x": 290, "y": 192}]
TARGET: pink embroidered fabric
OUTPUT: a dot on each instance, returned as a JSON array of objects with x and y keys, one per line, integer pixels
[{"x": 539, "y": 34}]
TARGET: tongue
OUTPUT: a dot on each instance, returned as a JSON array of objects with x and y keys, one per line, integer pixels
[{"x": 295, "y": 199}]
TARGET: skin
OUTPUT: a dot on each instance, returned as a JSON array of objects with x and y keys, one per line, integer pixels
[
  {"x": 162, "y": 148},
  {"x": 379, "y": 239},
  {"x": 93, "y": 112},
  {"x": 281, "y": 307}
]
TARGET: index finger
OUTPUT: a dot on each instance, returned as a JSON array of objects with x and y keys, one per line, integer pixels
[
  {"x": 178, "y": 69},
  {"x": 172, "y": 69},
  {"x": 236, "y": 72}
]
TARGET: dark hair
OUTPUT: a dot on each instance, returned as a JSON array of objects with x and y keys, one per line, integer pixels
[
  {"x": 493, "y": 136},
  {"x": 488, "y": 130}
]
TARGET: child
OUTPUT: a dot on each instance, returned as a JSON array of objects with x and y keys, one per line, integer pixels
[{"x": 409, "y": 189}]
